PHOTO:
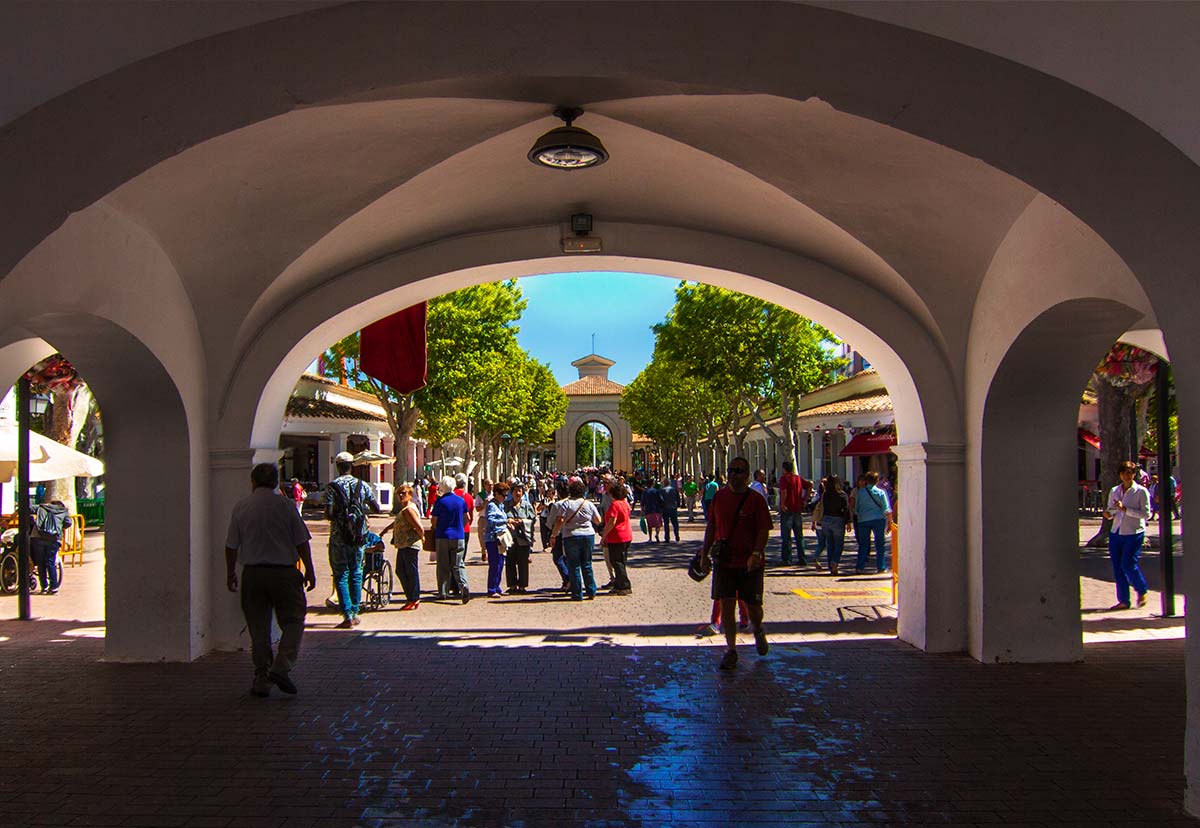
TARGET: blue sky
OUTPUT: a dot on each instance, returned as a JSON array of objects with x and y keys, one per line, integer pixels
[{"x": 565, "y": 309}]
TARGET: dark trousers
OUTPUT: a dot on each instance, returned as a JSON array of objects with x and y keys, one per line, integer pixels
[
  {"x": 516, "y": 573},
  {"x": 618, "y": 556},
  {"x": 559, "y": 562},
  {"x": 43, "y": 552},
  {"x": 278, "y": 590},
  {"x": 409, "y": 571},
  {"x": 670, "y": 518}
]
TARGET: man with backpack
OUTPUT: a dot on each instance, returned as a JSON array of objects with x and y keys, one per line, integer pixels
[{"x": 347, "y": 502}]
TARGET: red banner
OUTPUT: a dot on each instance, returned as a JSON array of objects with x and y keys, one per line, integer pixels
[{"x": 393, "y": 350}]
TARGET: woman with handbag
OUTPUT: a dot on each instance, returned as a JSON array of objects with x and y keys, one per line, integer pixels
[
  {"x": 576, "y": 524},
  {"x": 408, "y": 535},
  {"x": 835, "y": 509},
  {"x": 520, "y": 523},
  {"x": 496, "y": 536}
]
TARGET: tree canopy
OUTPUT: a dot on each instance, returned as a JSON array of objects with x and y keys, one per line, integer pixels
[
  {"x": 724, "y": 361},
  {"x": 480, "y": 384}
]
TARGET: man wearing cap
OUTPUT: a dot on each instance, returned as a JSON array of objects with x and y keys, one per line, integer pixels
[
  {"x": 267, "y": 537},
  {"x": 345, "y": 558}
]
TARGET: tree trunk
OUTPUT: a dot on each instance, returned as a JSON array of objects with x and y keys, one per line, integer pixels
[
  {"x": 1116, "y": 414},
  {"x": 61, "y": 429}
]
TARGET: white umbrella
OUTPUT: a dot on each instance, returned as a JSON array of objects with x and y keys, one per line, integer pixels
[
  {"x": 371, "y": 458},
  {"x": 48, "y": 460}
]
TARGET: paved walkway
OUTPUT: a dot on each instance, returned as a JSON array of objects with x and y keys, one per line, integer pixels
[
  {"x": 534, "y": 711},
  {"x": 395, "y": 730}
]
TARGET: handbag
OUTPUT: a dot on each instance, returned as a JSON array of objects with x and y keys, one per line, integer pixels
[
  {"x": 562, "y": 520},
  {"x": 818, "y": 511},
  {"x": 719, "y": 550}
]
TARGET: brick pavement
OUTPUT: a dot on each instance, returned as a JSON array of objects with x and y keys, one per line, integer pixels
[
  {"x": 535, "y": 711},
  {"x": 392, "y": 730}
]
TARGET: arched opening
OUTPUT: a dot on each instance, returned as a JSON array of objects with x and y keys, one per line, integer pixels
[
  {"x": 593, "y": 445},
  {"x": 320, "y": 333},
  {"x": 148, "y": 583}
]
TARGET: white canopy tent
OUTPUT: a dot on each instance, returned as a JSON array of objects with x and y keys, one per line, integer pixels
[{"x": 48, "y": 460}]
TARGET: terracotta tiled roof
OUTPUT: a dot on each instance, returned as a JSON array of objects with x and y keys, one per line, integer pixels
[
  {"x": 591, "y": 386},
  {"x": 869, "y": 402},
  {"x": 309, "y": 407}
]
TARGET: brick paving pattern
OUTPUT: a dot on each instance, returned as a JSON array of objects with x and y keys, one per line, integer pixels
[{"x": 392, "y": 731}]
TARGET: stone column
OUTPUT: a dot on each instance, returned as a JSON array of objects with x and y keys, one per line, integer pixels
[
  {"x": 932, "y": 546},
  {"x": 325, "y": 454},
  {"x": 229, "y": 482}
]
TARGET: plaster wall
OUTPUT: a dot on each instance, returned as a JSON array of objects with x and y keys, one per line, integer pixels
[
  {"x": 1025, "y": 607},
  {"x": 102, "y": 291}
]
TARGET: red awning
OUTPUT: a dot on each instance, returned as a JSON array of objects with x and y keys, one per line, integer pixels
[{"x": 864, "y": 444}]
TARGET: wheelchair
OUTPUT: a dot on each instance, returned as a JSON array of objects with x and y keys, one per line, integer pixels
[{"x": 377, "y": 580}]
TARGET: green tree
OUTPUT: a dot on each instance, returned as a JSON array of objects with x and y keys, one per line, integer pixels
[
  {"x": 584, "y": 437},
  {"x": 759, "y": 358},
  {"x": 674, "y": 409},
  {"x": 459, "y": 326}
]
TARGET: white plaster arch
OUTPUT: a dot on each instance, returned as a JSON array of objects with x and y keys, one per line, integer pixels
[
  {"x": 21, "y": 353},
  {"x": 1054, "y": 300},
  {"x": 914, "y": 369},
  {"x": 129, "y": 329}
]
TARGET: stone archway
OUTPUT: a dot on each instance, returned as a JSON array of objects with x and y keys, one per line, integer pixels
[{"x": 593, "y": 398}]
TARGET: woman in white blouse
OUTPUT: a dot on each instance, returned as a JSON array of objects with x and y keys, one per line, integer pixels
[{"x": 1128, "y": 508}]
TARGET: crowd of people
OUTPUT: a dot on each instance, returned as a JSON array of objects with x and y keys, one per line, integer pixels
[{"x": 569, "y": 514}]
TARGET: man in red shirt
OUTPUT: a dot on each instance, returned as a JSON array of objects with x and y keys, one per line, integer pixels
[
  {"x": 792, "y": 497},
  {"x": 741, "y": 522}
]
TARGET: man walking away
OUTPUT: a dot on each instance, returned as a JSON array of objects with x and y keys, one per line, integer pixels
[
  {"x": 347, "y": 498},
  {"x": 670, "y": 509},
  {"x": 267, "y": 537},
  {"x": 792, "y": 499},
  {"x": 736, "y": 540}
]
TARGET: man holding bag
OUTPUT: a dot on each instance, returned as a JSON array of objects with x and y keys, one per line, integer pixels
[{"x": 736, "y": 541}]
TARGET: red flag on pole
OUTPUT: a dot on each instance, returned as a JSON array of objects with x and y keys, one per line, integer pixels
[{"x": 393, "y": 350}]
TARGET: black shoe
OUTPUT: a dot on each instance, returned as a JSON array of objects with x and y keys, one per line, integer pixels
[
  {"x": 621, "y": 592},
  {"x": 283, "y": 683},
  {"x": 466, "y": 596},
  {"x": 730, "y": 660},
  {"x": 760, "y": 642},
  {"x": 609, "y": 585}
]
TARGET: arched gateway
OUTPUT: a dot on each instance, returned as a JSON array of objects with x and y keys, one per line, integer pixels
[
  {"x": 208, "y": 218},
  {"x": 593, "y": 398}
]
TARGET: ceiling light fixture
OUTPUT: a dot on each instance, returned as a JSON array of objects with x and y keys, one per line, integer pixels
[{"x": 568, "y": 147}]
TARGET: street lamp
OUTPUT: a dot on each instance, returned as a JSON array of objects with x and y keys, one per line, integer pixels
[{"x": 27, "y": 406}]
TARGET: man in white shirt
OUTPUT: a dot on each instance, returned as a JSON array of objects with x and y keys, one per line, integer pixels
[
  {"x": 1128, "y": 508},
  {"x": 268, "y": 538},
  {"x": 760, "y": 484}
]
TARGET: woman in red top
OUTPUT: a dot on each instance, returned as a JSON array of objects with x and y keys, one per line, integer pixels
[{"x": 617, "y": 535}]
